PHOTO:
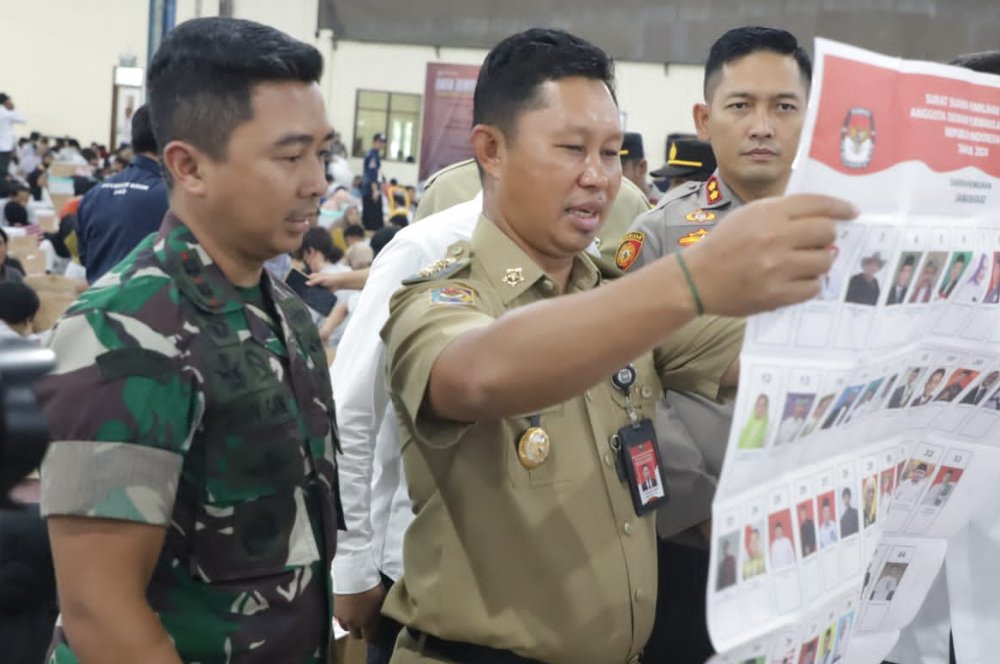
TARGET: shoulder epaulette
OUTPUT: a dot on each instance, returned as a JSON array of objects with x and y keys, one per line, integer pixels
[
  {"x": 447, "y": 169},
  {"x": 682, "y": 190},
  {"x": 456, "y": 261}
]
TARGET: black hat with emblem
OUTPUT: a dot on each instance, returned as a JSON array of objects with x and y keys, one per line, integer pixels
[{"x": 686, "y": 157}]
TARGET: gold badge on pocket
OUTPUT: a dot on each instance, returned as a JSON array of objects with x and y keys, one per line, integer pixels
[{"x": 533, "y": 448}]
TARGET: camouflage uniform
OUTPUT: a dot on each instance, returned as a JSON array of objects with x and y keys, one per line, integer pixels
[{"x": 184, "y": 402}]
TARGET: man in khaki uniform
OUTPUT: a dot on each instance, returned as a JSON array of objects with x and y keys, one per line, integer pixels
[
  {"x": 756, "y": 85},
  {"x": 460, "y": 182},
  {"x": 528, "y": 548}
]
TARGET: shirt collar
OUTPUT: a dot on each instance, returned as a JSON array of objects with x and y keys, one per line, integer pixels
[
  {"x": 513, "y": 272},
  {"x": 147, "y": 164},
  {"x": 716, "y": 193},
  {"x": 198, "y": 276}
]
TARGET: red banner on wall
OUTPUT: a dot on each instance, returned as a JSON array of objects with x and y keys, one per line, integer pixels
[{"x": 447, "y": 116}]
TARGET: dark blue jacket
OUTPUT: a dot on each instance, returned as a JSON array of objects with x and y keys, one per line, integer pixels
[
  {"x": 373, "y": 162},
  {"x": 116, "y": 215}
]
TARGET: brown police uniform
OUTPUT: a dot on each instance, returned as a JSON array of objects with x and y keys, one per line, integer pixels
[{"x": 501, "y": 562}]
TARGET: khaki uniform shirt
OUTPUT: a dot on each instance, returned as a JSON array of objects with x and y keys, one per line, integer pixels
[
  {"x": 692, "y": 431},
  {"x": 460, "y": 182},
  {"x": 552, "y": 563}
]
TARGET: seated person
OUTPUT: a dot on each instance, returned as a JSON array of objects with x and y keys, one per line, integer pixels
[
  {"x": 11, "y": 269},
  {"x": 19, "y": 305}
]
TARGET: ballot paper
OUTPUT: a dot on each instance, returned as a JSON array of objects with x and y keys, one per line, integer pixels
[{"x": 867, "y": 427}]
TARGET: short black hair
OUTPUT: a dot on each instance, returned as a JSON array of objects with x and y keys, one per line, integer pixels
[
  {"x": 15, "y": 214},
  {"x": 514, "y": 69},
  {"x": 741, "y": 42},
  {"x": 987, "y": 62},
  {"x": 399, "y": 219},
  {"x": 143, "y": 138},
  {"x": 318, "y": 239},
  {"x": 201, "y": 78},
  {"x": 4, "y": 97},
  {"x": 18, "y": 303},
  {"x": 354, "y": 231}
]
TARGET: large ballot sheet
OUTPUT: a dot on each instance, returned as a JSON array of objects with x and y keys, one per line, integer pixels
[{"x": 867, "y": 426}]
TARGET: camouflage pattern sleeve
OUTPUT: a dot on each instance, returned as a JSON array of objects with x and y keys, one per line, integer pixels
[{"x": 122, "y": 405}]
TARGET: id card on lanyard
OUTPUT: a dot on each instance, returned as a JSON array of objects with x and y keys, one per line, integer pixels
[{"x": 638, "y": 455}]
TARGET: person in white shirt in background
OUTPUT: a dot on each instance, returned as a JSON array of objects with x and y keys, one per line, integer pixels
[
  {"x": 359, "y": 256},
  {"x": 8, "y": 118},
  {"x": 782, "y": 551},
  {"x": 376, "y": 504}
]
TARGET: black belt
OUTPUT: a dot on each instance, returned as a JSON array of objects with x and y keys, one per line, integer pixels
[{"x": 466, "y": 653}]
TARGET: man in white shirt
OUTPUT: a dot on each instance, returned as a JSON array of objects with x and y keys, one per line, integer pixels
[
  {"x": 828, "y": 525},
  {"x": 792, "y": 425},
  {"x": 912, "y": 486},
  {"x": 8, "y": 118},
  {"x": 376, "y": 504},
  {"x": 940, "y": 492},
  {"x": 782, "y": 552},
  {"x": 885, "y": 588}
]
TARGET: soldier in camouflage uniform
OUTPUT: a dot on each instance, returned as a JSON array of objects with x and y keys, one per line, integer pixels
[
  {"x": 191, "y": 487},
  {"x": 756, "y": 84}
]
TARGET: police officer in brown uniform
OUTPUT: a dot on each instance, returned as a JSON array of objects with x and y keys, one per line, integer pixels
[
  {"x": 756, "y": 85},
  {"x": 523, "y": 379}
]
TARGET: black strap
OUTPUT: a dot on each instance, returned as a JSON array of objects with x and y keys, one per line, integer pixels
[{"x": 467, "y": 653}]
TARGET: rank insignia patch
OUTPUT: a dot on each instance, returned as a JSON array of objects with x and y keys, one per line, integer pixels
[
  {"x": 714, "y": 194},
  {"x": 699, "y": 216},
  {"x": 453, "y": 296},
  {"x": 628, "y": 250},
  {"x": 693, "y": 237}
]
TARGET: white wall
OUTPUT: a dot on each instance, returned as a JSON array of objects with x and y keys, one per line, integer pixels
[
  {"x": 57, "y": 59},
  {"x": 65, "y": 50},
  {"x": 656, "y": 100}
]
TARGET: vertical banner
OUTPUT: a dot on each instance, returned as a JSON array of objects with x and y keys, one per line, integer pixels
[{"x": 447, "y": 116}]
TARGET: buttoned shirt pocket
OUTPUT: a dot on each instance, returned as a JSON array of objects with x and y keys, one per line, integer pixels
[
  {"x": 567, "y": 459},
  {"x": 252, "y": 538},
  {"x": 252, "y": 520}
]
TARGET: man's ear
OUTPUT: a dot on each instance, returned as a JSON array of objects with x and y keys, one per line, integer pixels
[
  {"x": 489, "y": 145},
  {"x": 700, "y": 113},
  {"x": 186, "y": 165}
]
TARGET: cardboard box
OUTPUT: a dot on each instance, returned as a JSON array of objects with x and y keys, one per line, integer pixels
[
  {"x": 47, "y": 220},
  {"x": 25, "y": 249},
  {"x": 56, "y": 293},
  {"x": 62, "y": 170},
  {"x": 60, "y": 200}
]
